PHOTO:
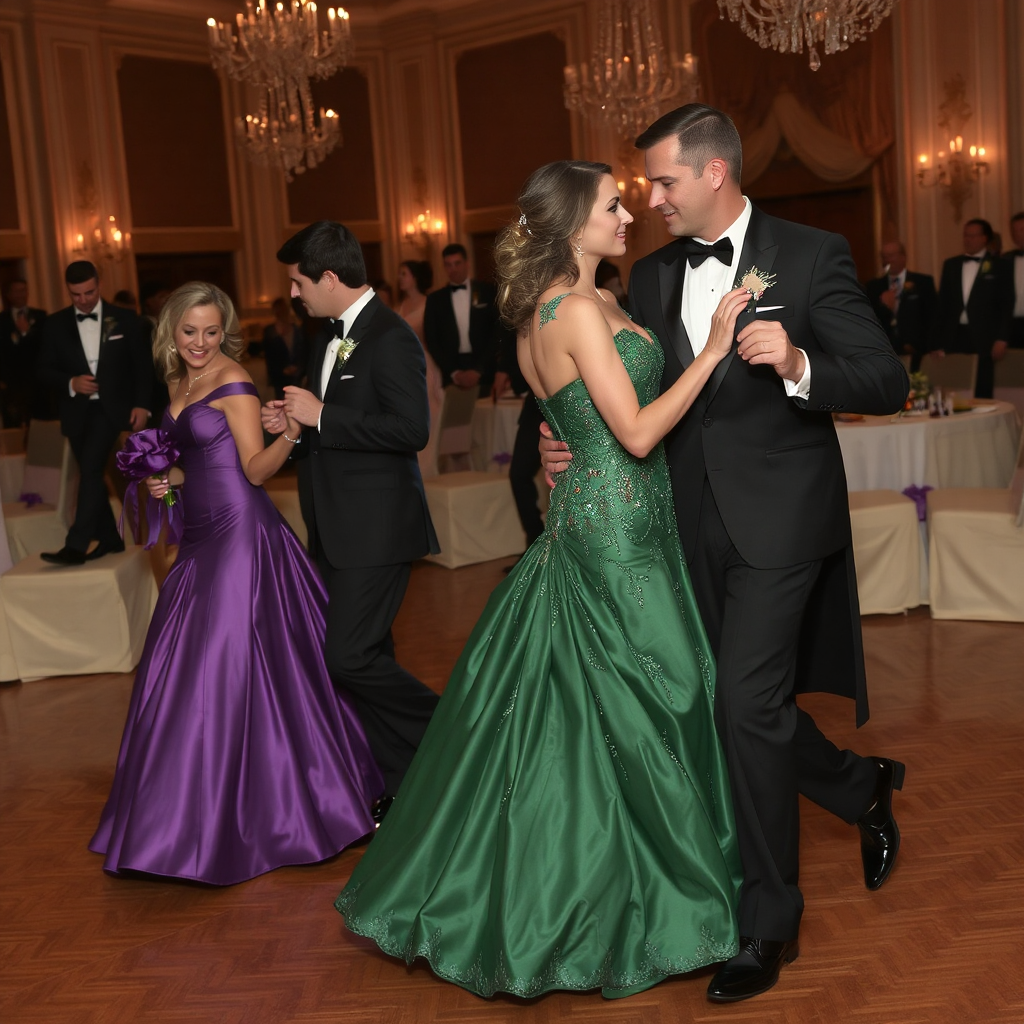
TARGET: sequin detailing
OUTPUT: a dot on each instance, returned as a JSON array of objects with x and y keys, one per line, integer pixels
[{"x": 547, "y": 309}]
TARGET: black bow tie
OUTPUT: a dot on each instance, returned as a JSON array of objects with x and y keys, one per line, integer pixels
[
  {"x": 972, "y": 259},
  {"x": 86, "y": 316},
  {"x": 457, "y": 287},
  {"x": 698, "y": 252}
]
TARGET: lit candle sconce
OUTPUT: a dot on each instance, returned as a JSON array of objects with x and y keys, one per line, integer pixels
[
  {"x": 423, "y": 228},
  {"x": 106, "y": 241},
  {"x": 954, "y": 171}
]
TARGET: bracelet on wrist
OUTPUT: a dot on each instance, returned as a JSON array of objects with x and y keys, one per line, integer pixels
[{"x": 291, "y": 440}]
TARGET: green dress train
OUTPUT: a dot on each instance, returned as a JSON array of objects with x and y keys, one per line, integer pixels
[{"x": 566, "y": 823}]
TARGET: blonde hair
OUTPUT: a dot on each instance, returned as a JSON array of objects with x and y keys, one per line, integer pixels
[
  {"x": 188, "y": 296},
  {"x": 536, "y": 250}
]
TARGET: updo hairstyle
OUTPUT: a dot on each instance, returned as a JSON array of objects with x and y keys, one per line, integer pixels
[{"x": 536, "y": 249}]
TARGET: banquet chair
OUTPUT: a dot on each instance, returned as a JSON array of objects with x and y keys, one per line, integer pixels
[
  {"x": 1009, "y": 379},
  {"x": 454, "y": 443},
  {"x": 956, "y": 371},
  {"x": 976, "y": 550},
  {"x": 886, "y": 550},
  {"x": 12, "y": 441}
]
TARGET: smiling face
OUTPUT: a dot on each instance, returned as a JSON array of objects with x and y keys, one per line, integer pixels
[
  {"x": 197, "y": 338},
  {"x": 684, "y": 201},
  {"x": 604, "y": 234}
]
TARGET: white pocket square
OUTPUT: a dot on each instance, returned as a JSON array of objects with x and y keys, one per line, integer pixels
[
  {"x": 765, "y": 309},
  {"x": 347, "y": 376},
  {"x": 114, "y": 337}
]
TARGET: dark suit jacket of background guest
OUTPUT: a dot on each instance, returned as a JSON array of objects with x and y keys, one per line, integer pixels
[
  {"x": 18, "y": 357},
  {"x": 914, "y": 323},
  {"x": 441, "y": 332},
  {"x": 359, "y": 479},
  {"x": 124, "y": 372},
  {"x": 1016, "y": 328},
  {"x": 774, "y": 463},
  {"x": 278, "y": 358}
]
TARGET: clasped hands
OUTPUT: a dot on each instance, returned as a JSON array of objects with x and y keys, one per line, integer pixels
[
  {"x": 285, "y": 415},
  {"x": 86, "y": 384}
]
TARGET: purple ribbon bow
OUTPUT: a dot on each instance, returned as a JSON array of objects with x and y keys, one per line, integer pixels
[
  {"x": 149, "y": 453},
  {"x": 30, "y": 498},
  {"x": 919, "y": 496}
]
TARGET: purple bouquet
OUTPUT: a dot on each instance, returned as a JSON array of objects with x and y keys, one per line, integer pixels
[{"x": 145, "y": 454}]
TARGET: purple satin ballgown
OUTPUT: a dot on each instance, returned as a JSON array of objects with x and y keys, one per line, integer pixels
[{"x": 238, "y": 755}]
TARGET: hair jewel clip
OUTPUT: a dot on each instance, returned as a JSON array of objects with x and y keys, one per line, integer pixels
[{"x": 522, "y": 223}]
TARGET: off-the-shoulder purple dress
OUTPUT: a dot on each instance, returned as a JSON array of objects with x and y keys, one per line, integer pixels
[{"x": 238, "y": 755}]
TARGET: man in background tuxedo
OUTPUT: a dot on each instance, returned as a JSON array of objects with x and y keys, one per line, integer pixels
[
  {"x": 92, "y": 354},
  {"x": 905, "y": 304},
  {"x": 1014, "y": 273},
  {"x": 21, "y": 328},
  {"x": 365, "y": 418},
  {"x": 974, "y": 295},
  {"x": 460, "y": 325}
]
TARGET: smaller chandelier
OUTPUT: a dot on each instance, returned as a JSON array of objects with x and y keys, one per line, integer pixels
[
  {"x": 629, "y": 80},
  {"x": 789, "y": 25}
]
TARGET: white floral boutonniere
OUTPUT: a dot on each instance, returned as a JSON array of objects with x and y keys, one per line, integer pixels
[
  {"x": 908, "y": 286},
  {"x": 986, "y": 266},
  {"x": 345, "y": 350},
  {"x": 757, "y": 282},
  {"x": 109, "y": 323}
]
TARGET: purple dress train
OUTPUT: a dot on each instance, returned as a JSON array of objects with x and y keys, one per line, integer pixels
[{"x": 238, "y": 755}]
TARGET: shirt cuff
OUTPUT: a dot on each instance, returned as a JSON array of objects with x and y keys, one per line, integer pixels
[
  {"x": 802, "y": 388},
  {"x": 71, "y": 388},
  {"x": 319, "y": 418}
]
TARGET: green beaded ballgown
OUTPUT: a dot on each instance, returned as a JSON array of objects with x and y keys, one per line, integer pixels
[{"x": 566, "y": 823}]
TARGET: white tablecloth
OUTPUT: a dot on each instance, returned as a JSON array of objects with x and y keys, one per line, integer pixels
[
  {"x": 12, "y": 475},
  {"x": 969, "y": 449},
  {"x": 493, "y": 433}
]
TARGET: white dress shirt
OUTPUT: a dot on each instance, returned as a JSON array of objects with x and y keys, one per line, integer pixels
[
  {"x": 897, "y": 282},
  {"x": 89, "y": 333},
  {"x": 342, "y": 326},
  {"x": 968, "y": 275},
  {"x": 460, "y": 306},
  {"x": 1018, "y": 286},
  {"x": 704, "y": 286}
]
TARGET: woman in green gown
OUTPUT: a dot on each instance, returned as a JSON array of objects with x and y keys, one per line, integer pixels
[{"x": 566, "y": 823}]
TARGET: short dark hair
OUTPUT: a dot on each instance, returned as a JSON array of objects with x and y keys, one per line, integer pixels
[
  {"x": 1016, "y": 217},
  {"x": 986, "y": 228},
  {"x": 703, "y": 133},
  {"x": 80, "y": 271},
  {"x": 326, "y": 245},
  {"x": 455, "y": 249},
  {"x": 422, "y": 272}
]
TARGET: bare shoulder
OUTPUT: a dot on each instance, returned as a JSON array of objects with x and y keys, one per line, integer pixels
[{"x": 574, "y": 312}]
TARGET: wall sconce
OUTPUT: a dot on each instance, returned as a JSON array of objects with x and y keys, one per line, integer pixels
[
  {"x": 954, "y": 172},
  {"x": 422, "y": 228},
  {"x": 106, "y": 241}
]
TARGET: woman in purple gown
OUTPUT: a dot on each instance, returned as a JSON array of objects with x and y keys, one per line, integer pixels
[{"x": 238, "y": 755}]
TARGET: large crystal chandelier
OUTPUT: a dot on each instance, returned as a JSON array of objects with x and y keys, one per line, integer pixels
[
  {"x": 279, "y": 49},
  {"x": 630, "y": 80},
  {"x": 789, "y": 25}
]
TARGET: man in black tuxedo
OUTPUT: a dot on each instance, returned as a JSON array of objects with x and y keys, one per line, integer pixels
[
  {"x": 21, "y": 327},
  {"x": 761, "y": 502},
  {"x": 92, "y": 355},
  {"x": 365, "y": 418},
  {"x": 1014, "y": 273},
  {"x": 905, "y": 304},
  {"x": 460, "y": 325},
  {"x": 974, "y": 296}
]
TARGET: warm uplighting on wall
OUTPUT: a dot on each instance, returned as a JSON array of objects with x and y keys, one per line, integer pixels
[{"x": 423, "y": 227}]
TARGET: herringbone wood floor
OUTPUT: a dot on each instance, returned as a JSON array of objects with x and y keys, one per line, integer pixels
[{"x": 941, "y": 942}]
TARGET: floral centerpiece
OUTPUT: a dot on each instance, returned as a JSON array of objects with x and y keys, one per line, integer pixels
[
  {"x": 919, "y": 391},
  {"x": 150, "y": 453}
]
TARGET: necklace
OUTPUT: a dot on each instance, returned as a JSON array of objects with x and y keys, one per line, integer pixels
[{"x": 198, "y": 376}]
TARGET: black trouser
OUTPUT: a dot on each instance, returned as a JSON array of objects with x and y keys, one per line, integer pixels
[
  {"x": 393, "y": 706},
  {"x": 92, "y": 444},
  {"x": 966, "y": 342},
  {"x": 1016, "y": 339},
  {"x": 774, "y": 750},
  {"x": 523, "y": 468}
]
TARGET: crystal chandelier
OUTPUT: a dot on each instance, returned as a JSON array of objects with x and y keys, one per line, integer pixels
[
  {"x": 279, "y": 49},
  {"x": 789, "y": 25},
  {"x": 630, "y": 79}
]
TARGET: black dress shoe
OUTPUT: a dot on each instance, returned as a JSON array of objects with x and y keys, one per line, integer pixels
[
  {"x": 380, "y": 808},
  {"x": 753, "y": 970},
  {"x": 66, "y": 556},
  {"x": 879, "y": 835},
  {"x": 105, "y": 549}
]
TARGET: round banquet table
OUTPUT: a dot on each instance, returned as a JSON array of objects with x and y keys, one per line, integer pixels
[
  {"x": 493, "y": 433},
  {"x": 976, "y": 448}
]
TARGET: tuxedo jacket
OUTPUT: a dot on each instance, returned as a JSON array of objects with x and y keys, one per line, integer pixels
[
  {"x": 441, "y": 332},
  {"x": 124, "y": 372},
  {"x": 914, "y": 322},
  {"x": 988, "y": 306},
  {"x": 773, "y": 462},
  {"x": 1011, "y": 292},
  {"x": 360, "y": 481}
]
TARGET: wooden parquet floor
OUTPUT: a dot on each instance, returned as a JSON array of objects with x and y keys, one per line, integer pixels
[{"x": 942, "y": 942}]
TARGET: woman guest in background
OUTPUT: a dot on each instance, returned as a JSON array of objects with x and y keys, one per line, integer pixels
[
  {"x": 238, "y": 755},
  {"x": 414, "y": 280},
  {"x": 567, "y": 821},
  {"x": 284, "y": 349}
]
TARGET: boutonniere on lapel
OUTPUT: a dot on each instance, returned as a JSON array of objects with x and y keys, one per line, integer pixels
[
  {"x": 109, "y": 323},
  {"x": 345, "y": 350},
  {"x": 908, "y": 286},
  {"x": 757, "y": 282},
  {"x": 475, "y": 299},
  {"x": 986, "y": 266}
]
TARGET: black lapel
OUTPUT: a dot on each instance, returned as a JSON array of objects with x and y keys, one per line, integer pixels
[
  {"x": 759, "y": 250},
  {"x": 670, "y": 288},
  {"x": 356, "y": 332}
]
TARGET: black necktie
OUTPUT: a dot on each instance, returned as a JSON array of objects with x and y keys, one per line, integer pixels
[
  {"x": 86, "y": 316},
  {"x": 457, "y": 287},
  {"x": 698, "y": 252}
]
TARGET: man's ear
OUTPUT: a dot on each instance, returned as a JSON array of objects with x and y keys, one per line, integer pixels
[
  {"x": 719, "y": 171},
  {"x": 331, "y": 278}
]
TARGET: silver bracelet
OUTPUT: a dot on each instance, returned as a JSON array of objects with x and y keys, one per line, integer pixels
[{"x": 287, "y": 438}]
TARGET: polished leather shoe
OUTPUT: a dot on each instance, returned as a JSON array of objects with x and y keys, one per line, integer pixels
[
  {"x": 753, "y": 970},
  {"x": 879, "y": 834},
  {"x": 380, "y": 808},
  {"x": 105, "y": 549},
  {"x": 66, "y": 556}
]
